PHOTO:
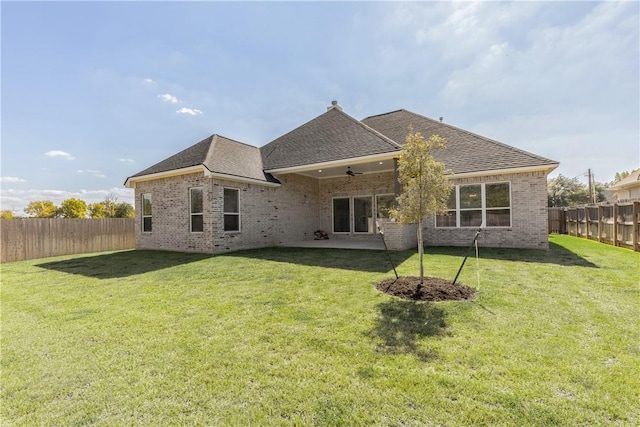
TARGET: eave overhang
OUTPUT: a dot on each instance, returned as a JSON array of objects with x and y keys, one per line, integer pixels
[
  {"x": 527, "y": 169},
  {"x": 133, "y": 180},
  {"x": 336, "y": 163}
]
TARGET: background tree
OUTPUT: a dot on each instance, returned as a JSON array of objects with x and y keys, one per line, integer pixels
[
  {"x": 41, "y": 209},
  {"x": 97, "y": 210},
  {"x": 73, "y": 208},
  {"x": 425, "y": 187},
  {"x": 6, "y": 214},
  {"x": 123, "y": 210},
  {"x": 563, "y": 191}
]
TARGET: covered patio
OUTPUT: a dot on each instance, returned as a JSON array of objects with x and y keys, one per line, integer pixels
[{"x": 375, "y": 245}]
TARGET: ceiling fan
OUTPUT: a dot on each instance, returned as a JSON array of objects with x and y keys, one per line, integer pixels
[{"x": 352, "y": 173}]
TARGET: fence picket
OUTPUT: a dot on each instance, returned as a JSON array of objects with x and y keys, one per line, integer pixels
[{"x": 31, "y": 238}]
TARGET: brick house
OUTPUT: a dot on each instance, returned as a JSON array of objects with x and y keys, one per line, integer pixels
[{"x": 337, "y": 174}]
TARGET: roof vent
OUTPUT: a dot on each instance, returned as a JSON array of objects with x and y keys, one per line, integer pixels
[{"x": 334, "y": 104}]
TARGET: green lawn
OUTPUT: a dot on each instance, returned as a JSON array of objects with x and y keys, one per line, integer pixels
[{"x": 302, "y": 337}]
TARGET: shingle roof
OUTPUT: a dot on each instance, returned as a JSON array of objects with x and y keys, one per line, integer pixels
[
  {"x": 331, "y": 136},
  {"x": 334, "y": 135},
  {"x": 631, "y": 180},
  {"x": 219, "y": 155},
  {"x": 465, "y": 152}
]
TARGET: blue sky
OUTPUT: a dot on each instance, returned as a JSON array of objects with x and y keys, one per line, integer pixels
[{"x": 93, "y": 92}]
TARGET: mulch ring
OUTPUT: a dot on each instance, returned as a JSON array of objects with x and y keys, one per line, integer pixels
[{"x": 432, "y": 289}]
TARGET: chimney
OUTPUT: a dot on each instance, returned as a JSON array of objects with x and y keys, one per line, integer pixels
[{"x": 334, "y": 104}]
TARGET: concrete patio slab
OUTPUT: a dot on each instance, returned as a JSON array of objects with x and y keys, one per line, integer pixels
[{"x": 376, "y": 245}]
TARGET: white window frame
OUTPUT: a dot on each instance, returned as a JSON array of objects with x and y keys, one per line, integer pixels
[
  {"x": 192, "y": 214},
  {"x": 333, "y": 223},
  {"x": 372, "y": 217},
  {"x": 377, "y": 206},
  {"x": 352, "y": 214},
  {"x": 225, "y": 213},
  {"x": 484, "y": 209},
  {"x": 143, "y": 216}
]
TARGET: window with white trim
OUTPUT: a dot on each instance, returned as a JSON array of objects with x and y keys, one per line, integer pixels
[
  {"x": 341, "y": 215},
  {"x": 363, "y": 214},
  {"x": 195, "y": 209},
  {"x": 449, "y": 217},
  {"x": 384, "y": 204},
  {"x": 231, "y": 209},
  {"x": 475, "y": 204},
  {"x": 146, "y": 213}
]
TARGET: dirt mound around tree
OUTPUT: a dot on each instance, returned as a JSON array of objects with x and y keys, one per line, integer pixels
[{"x": 433, "y": 289}]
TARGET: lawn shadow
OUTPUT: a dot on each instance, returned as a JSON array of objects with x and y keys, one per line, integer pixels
[
  {"x": 402, "y": 323},
  {"x": 122, "y": 264},
  {"x": 555, "y": 255},
  {"x": 346, "y": 259}
]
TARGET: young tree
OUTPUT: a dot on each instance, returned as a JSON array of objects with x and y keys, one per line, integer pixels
[
  {"x": 425, "y": 186},
  {"x": 73, "y": 208},
  {"x": 41, "y": 209}
]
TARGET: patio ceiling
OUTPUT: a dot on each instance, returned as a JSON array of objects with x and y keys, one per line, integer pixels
[{"x": 368, "y": 165}]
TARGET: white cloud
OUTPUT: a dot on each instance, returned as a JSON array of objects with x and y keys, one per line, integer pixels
[
  {"x": 148, "y": 81},
  {"x": 191, "y": 111},
  {"x": 58, "y": 153},
  {"x": 92, "y": 172},
  {"x": 11, "y": 179},
  {"x": 127, "y": 160},
  {"x": 167, "y": 97}
]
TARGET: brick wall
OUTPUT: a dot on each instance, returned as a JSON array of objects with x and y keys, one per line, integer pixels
[
  {"x": 529, "y": 227},
  {"x": 292, "y": 212},
  {"x": 360, "y": 185},
  {"x": 268, "y": 215}
]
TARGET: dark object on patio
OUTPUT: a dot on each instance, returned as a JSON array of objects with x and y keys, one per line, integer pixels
[{"x": 320, "y": 235}]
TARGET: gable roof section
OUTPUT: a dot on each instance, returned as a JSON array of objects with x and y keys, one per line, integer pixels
[
  {"x": 218, "y": 156},
  {"x": 632, "y": 180},
  {"x": 466, "y": 152},
  {"x": 331, "y": 136}
]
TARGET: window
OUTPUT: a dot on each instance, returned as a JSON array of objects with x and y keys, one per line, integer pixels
[
  {"x": 362, "y": 215},
  {"x": 341, "y": 215},
  {"x": 470, "y": 205},
  {"x": 384, "y": 204},
  {"x": 449, "y": 217},
  {"x": 231, "y": 209},
  {"x": 498, "y": 205},
  {"x": 146, "y": 213},
  {"x": 196, "y": 203},
  {"x": 477, "y": 204},
  {"x": 362, "y": 220}
]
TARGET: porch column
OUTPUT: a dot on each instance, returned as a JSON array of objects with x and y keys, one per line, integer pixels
[{"x": 396, "y": 181}]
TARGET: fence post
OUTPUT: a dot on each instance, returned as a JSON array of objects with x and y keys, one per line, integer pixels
[
  {"x": 615, "y": 224},
  {"x": 587, "y": 221},
  {"x": 600, "y": 223},
  {"x": 636, "y": 226}
]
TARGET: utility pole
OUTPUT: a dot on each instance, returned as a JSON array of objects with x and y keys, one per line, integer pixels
[{"x": 591, "y": 198}]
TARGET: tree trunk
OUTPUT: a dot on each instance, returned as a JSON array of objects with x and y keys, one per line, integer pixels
[{"x": 420, "y": 254}]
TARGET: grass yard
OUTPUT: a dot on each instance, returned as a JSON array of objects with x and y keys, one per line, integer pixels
[{"x": 302, "y": 337}]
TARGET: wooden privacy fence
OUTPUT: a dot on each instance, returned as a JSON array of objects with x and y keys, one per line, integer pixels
[
  {"x": 617, "y": 224},
  {"x": 31, "y": 238}
]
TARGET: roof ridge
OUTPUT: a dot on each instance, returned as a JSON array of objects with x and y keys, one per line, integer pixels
[
  {"x": 371, "y": 130},
  {"x": 235, "y": 140},
  {"x": 384, "y": 114}
]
